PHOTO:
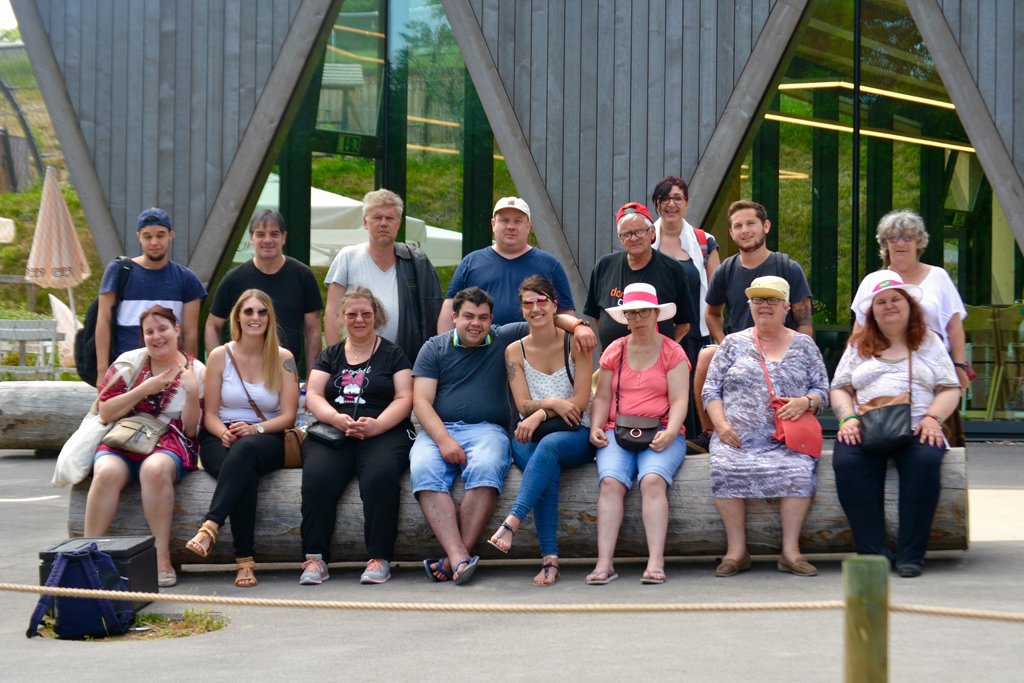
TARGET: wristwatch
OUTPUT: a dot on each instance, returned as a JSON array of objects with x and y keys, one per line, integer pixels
[
  {"x": 259, "y": 427},
  {"x": 962, "y": 366},
  {"x": 810, "y": 401},
  {"x": 578, "y": 323}
]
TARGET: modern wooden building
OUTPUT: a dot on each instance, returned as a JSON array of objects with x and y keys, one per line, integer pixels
[{"x": 829, "y": 112}]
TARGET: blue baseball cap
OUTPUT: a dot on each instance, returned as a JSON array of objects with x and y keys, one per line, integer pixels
[{"x": 154, "y": 216}]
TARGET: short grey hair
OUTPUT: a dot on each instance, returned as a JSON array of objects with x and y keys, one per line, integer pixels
[
  {"x": 382, "y": 197},
  {"x": 635, "y": 214},
  {"x": 899, "y": 222},
  {"x": 266, "y": 216}
]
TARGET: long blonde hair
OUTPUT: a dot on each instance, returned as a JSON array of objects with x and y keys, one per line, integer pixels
[{"x": 271, "y": 350}]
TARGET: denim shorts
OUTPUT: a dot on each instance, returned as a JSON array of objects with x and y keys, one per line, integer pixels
[
  {"x": 621, "y": 465},
  {"x": 487, "y": 458},
  {"x": 135, "y": 465}
]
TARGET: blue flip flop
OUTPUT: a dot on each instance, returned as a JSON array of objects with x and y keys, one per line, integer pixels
[
  {"x": 439, "y": 568},
  {"x": 466, "y": 574}
]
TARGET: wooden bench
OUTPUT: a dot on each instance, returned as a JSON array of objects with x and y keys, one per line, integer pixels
[
  {"x": 42, "y": 332},
  {"x": 695, "y": 528},
  {"x": 41, "y": 415}
]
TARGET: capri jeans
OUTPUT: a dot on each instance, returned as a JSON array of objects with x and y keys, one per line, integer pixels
[
  {"x": 621, "y": 465},
  {"x": 542, "y": 465},
  {"x": 378, "y": 462},
  {"x": 860, "y": 483},
  {"x": 237, "y": 470}
]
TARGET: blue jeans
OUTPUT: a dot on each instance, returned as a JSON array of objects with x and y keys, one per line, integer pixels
[
  {"x": 621, "y": 465},
  {"x": 487, "y": 459},
  {"x": 134, "y": 466},
  {"x": 542, "y": 465}
]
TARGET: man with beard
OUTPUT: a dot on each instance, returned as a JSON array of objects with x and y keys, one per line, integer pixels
[
  {"x": 748, "y": 225},
  {"x": 153, "y": 279}
]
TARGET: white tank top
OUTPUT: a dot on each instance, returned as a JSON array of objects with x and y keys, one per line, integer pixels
[{"x": 234, "y": 406}]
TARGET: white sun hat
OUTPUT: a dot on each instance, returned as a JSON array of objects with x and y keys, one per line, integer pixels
[
  {"x": 637, "y": 296},
  {"x": 881, "y": 281}
]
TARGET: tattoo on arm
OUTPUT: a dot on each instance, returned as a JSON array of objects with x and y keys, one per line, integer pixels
[
  {"x": 289, "y": 366},
  {"x": 510, "y": 367},
  {"x": 839, "y": 410},
  {"x": 531, "y": 407},
  {"x": 802, "y": 313}
]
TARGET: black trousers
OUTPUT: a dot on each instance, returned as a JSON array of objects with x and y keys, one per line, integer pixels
[
  {"x": 378, "y": 462},
  {"x": 238, "y": 470},
  {"x": 860, "y": 483},
  {"x": 691, "y": 347}
]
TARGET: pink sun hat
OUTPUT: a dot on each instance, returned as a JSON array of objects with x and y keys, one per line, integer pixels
[{"x": 637, "y": 296}]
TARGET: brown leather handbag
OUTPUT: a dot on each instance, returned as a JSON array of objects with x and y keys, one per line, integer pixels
[{"x": 293, "y": 436}]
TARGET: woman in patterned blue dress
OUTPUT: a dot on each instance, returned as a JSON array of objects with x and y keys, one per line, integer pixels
[{"x": 746, "y": 462}]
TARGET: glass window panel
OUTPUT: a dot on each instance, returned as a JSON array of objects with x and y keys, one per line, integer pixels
[{"x": 350, "y": 95}]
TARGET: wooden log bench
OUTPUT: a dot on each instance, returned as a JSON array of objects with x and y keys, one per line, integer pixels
[
  {"x": 42, "y": 415},
  {"x": 695, "y": 528}
]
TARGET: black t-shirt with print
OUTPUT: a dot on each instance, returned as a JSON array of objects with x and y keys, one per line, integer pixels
[
  {"x": 367, "y": 388},
  {"x": 609, "y": 278}
]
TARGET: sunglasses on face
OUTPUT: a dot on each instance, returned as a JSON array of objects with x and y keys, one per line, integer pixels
[
  {"x": 261, "y": 312},
  {"x": 906, "y": 237},
  {"x": 354, "y": 315},
  {"x": 642, "y": 313},
  {"x": 770, "y": 300},
  {"x": 530, "y": 303}
]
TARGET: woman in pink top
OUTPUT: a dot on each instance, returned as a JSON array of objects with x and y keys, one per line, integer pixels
[{"x": 642, "y": 374}]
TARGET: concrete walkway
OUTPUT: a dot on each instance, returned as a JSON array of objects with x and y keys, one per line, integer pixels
[{"x": 264, "y": 644}]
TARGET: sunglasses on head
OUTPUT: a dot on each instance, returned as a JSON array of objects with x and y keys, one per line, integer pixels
[{"x": 261, "y": 312}]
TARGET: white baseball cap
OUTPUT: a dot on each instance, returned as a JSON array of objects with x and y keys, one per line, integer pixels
[{"x": 512, "y": 203}]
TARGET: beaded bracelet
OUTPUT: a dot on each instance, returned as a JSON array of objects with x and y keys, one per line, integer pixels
[
  {"x": 935, "y": 417},
  {"x": 846, "y": 419}
]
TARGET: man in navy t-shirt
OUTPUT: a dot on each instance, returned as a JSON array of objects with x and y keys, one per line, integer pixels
[
  {"x": 501, "y": 268},
  {"x": 153, "y": 279}
]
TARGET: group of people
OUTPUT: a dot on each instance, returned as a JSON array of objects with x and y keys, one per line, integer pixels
[{"x": 500, "y": 370}]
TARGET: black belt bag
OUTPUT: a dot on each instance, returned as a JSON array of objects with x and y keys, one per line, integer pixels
[{"x": 633, "y": 432}]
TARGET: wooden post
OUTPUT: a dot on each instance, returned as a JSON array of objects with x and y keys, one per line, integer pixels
[{"x": 866, "y": 585}]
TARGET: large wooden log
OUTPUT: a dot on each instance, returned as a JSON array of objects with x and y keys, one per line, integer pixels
[
  {"x": 695, "y": 528},
  {"x": 42, "y": 415}
]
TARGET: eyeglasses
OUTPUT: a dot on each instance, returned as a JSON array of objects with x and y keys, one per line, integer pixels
[
  {"x": 906, "y": 237},
  {"x": 674, "y": 199},
  {"x": 641, "y": 313},
  {"x": 354, "y": 315},
  {"x": 261, "y": 312},
  {"x": 539, "y": 301},
  {"x": 639, "y": 232},
  {"x": 771, "y": 300}
]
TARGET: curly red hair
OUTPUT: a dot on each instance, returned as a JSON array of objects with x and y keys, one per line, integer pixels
[{"x": 871, "y": 342}]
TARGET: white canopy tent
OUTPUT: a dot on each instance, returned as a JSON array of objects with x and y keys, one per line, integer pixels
[{"x": 337, "y": 222}]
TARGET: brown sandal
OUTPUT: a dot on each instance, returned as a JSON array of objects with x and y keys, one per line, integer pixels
[
  {"x": 196, "y": 546},
  {"x": 245, "y": 563}
]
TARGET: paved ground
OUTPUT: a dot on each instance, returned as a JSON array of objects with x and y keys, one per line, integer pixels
[{"x": 277, "y": 645}]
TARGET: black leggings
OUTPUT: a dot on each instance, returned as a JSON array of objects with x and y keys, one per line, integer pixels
[
  {"x": 378, "y": 462},
  {"x": 237, "y": 470},
  {"x": 860, "y": 483}
]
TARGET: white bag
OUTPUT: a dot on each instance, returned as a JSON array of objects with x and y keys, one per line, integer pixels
[{"x": 75, "y": 460}]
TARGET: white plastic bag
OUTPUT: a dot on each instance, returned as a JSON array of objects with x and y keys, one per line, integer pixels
[{"x": 75, "y": 460}]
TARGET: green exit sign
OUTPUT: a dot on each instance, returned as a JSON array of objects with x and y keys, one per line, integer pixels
[{"x": 349, "y": 144}]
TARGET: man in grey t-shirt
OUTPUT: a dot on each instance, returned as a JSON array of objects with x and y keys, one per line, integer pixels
[
  {"x": 400, "y": 275},
  {"x": 460, "y": 399}
]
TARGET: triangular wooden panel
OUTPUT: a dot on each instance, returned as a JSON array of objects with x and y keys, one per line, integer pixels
[
  {"x": 976, "y": 63},
  {"x": 596, "y": 101},
  {"x": 171, "y": 104}
]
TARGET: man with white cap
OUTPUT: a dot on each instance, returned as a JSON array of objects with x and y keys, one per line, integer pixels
[
  {"x": 638, "y": 262},
  {"x": 502, "y": 267}
]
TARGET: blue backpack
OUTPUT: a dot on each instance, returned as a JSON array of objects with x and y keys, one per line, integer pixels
[{"x": 77, "y": 618}]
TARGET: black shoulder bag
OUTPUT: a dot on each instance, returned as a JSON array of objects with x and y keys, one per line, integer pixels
[
  {"x": 556, "y": 423},
  {"x": 633, "y": 432},
  {"x": 885, "y": 421}
]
